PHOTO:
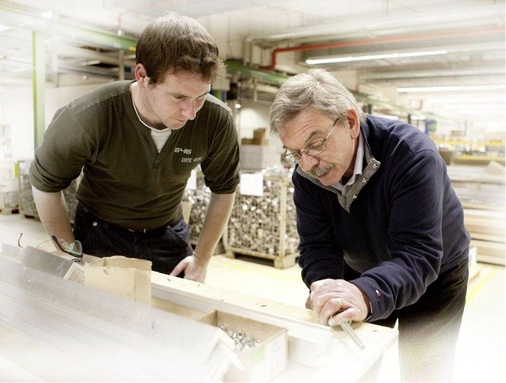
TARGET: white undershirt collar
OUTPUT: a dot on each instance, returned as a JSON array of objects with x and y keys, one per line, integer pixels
[{"x": 159, "y": 137}]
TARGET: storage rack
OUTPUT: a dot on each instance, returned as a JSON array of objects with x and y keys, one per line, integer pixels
[
  {"x": 265, "y": 226},
  {"x": 259, "y": 226}
]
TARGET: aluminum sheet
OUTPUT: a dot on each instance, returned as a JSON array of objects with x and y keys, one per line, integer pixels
[{"x": 69, "y": 331}]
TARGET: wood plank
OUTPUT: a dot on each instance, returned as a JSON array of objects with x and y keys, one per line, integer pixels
[
  {"x": 492, "y": 249},
  {"x": 313, "y": 348}
]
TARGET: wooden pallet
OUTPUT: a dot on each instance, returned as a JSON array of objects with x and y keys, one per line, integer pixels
[
  {"x": 278, "y": 261},
  {"x": 8, "y": 210}
]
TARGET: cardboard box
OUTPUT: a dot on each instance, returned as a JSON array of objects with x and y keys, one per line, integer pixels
[
  {"x": 266, "y": 359},
  {"x": 257, "y": 157},
  {"x": 247, "y": 141},
  {"x": 260, "y": 137}
]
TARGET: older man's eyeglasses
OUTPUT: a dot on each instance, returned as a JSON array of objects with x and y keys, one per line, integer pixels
[{"x": 313, "y": 150}]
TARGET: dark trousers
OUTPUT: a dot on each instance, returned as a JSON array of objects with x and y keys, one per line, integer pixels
[
  {"x": 165, "y": 247},
  {"x": 429, "y": 329}
]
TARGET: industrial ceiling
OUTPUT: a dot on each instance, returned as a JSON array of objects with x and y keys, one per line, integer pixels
[{"x": 442, "y": 59}]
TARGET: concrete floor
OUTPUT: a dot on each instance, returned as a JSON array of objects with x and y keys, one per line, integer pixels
[{"x": 482, "y": 343}]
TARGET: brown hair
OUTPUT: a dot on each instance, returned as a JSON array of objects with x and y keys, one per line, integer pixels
[{"x": 178, "y": 43}]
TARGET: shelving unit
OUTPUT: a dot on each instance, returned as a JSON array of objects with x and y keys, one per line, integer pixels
[
  {"x": 9, "y": 193},
  {"x": 265, "y": 226},
  {"x": 259, "y": 226},
  {"x": 26, "y": 203},
  {"x": 482, "y": 193},
  {"x": 471, "y": 152}
]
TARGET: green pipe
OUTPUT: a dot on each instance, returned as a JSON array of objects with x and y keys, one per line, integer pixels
[{"x": 39, "y": 87}]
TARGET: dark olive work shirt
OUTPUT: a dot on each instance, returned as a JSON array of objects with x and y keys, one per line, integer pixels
[{"x": 125, "y": 180}]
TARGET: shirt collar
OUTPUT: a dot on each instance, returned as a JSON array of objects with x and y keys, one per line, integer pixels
[{"x": 357, "y": 168}]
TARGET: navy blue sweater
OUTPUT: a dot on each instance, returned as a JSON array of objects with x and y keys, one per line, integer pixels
[{"x": 401, "y": 226}]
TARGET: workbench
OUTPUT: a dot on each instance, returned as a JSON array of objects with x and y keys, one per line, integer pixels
[{"x": 315, "y": 352}]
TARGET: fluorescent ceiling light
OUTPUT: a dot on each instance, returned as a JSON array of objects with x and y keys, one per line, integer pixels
[
  {"x": 333, "y": 60},
  {"x": 456, "y": 88},
  {"x": 467, "y": 107},
  {"x": 464, "y": 100}
]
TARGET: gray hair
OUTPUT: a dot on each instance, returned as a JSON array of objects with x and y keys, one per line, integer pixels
[{"x": 317, "y": 89}]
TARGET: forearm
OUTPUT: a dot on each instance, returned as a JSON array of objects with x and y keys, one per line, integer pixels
[
  {"x": 52, "y": 211},
  {"x": 218, "y": 213}
]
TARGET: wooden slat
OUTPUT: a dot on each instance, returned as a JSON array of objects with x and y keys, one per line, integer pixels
[{"x": 313, "y": 348}]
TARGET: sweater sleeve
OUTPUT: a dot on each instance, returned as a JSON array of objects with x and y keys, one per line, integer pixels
[{"x": 415, "y": 242}]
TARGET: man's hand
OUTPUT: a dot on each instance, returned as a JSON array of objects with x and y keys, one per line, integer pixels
[
  {"x": 336, "y": 301},
  {"x": 193, "y": 268}
]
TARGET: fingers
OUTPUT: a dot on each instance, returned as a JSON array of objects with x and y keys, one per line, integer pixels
[
  {"x": 180, "y": 267},
  {"x": 347, "y": 315},
  {"x": 309, "y": 303},
  {"x": 193, "y": 270},
  {"x": 318, "y": 285},
  {"x": 336, "y": 301},
  {"x": 324, "y": 291},
  {"x": 331, "y": 308}
]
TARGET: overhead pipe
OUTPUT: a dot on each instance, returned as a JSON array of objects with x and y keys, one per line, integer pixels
[
  {"x": 16, "y": 18},
  {"x": 234, "y": 68},
  {"x": 395, "y": 39}
]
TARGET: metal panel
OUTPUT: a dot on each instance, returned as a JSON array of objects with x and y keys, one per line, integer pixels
[{"x": 57, "y": 330}]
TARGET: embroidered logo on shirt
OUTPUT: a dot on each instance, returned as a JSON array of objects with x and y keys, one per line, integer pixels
[
  {"x": 187, "y": 160},
  {"x": 182, "y": 150}
]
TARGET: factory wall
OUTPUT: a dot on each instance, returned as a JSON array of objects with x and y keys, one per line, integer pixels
[{"x": 16, "y": 113}]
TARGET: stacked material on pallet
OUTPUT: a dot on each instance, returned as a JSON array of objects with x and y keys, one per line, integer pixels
[
  {"x": 487, "y": 234},
  {"x": 263, "y": 222},
  {"x": 9, "y": 192},
  {"x": 481, "y": 191},
  {"x": 198, "y": 195}
]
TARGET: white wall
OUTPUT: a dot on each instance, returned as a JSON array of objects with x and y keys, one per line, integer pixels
[
  {"x": 254, "y": 115},
  {"x": 16, "y": 110}
]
